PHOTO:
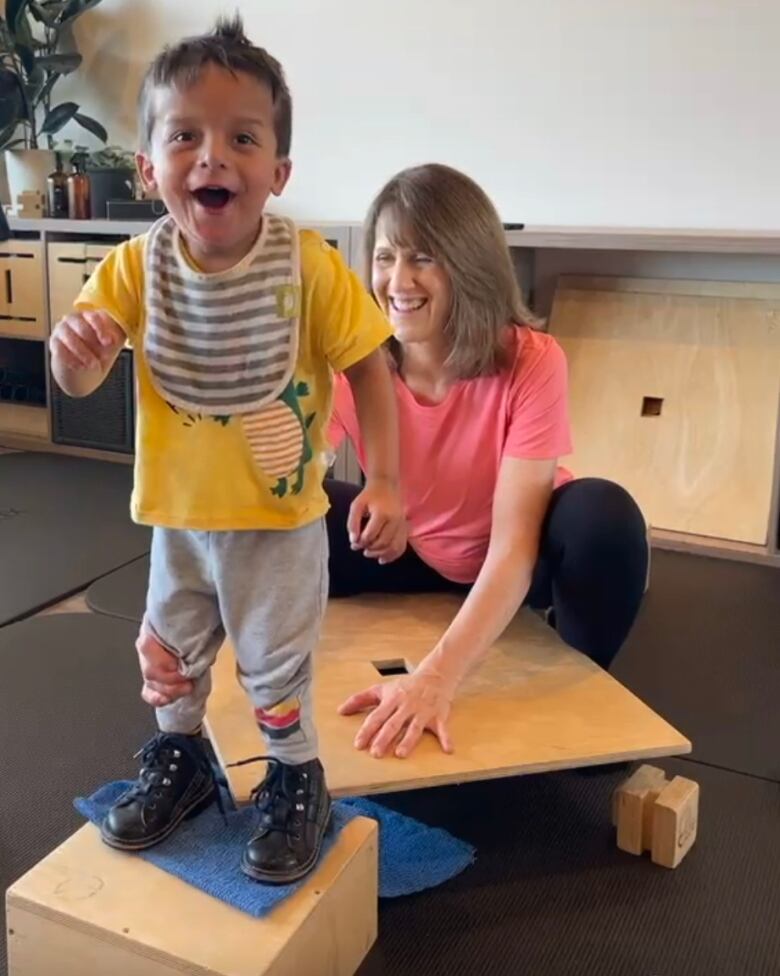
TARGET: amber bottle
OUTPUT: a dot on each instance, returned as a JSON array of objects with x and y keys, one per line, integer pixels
[{"x": 78, "y": 190}]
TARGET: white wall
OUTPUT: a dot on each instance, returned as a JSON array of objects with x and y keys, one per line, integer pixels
[{"x": 609, "y": 112}]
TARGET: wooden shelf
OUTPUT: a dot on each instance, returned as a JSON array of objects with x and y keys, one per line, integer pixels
[
  {"x": 15, "y": 336},
  {"x": 89, "y": 228},
  {"x": 122, "y": 228},
  {"x": 705, "y": 241},
  {"x": 647, "y": 239},
  {"x": 24, "y": 419}
]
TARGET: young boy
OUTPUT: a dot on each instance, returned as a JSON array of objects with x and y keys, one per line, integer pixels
[{"x": 237, "y": 320}]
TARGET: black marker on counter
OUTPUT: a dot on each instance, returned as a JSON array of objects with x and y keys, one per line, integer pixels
[{"x": 514, "y": 226}]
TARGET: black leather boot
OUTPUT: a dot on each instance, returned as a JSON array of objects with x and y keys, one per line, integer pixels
[
  {"x": 176, "y": 781},
  {"x": 295, "y": 809}
]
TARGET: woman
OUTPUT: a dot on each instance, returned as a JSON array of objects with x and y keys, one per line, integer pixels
[{"x": 483, "y": 418}]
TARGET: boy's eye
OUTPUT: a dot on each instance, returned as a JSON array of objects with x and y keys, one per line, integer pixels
[
  {"x": 246, "y": 139},
  {"x": 182, "y": 136}
]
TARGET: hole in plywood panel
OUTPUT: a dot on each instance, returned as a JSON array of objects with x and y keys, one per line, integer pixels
[
  {"x": 391, "y": 666},
  {"x": 652, "y": 406}
]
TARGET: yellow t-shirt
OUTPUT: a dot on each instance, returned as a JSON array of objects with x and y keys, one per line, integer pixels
[{"x": 203, "y": 472}]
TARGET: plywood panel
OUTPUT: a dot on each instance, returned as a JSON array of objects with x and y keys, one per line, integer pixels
[
  {"x": 89, "y": 909},
  {"x": 535, "y": 704},
  {"x": 702, "y": 360}
]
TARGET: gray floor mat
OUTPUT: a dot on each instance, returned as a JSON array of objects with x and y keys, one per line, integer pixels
[
  {"x": 550, "y": 894},
  {"x": 70, "y": 718},
  {"x": 705, "y": 654},
  {"x": 122, "y": 593},
  {"x": 64, "y": 521}
]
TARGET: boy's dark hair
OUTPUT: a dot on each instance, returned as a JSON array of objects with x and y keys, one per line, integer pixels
[{"x": 228, "y": 47}]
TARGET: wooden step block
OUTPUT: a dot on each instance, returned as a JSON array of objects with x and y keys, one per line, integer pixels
[
  {"x": 87, "y": 909},
  {"x": 534, "y": 704},
  {"x": 632, "y": 808},
  {"x": 675, "y": 822}
]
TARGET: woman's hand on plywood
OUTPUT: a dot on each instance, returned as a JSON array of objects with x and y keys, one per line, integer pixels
[{"x": 401, "y": 710}]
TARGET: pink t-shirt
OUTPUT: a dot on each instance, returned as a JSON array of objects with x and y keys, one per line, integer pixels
[{"x": 451, "y": 451}]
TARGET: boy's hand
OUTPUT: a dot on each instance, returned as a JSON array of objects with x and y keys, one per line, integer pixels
[
  {"x": 86, "y": 340},
  {"x": 163, "y": 682},
  {"x": 376, "y": 522}
]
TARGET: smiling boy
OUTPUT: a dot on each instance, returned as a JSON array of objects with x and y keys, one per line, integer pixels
[{"x": 238, "y": 321}]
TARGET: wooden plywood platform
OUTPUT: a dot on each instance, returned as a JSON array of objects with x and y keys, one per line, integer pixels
[
  {"x": 674, "y": 389},
  {"x": 534, "y": 705},
  {"x": 87, "y": 909}
]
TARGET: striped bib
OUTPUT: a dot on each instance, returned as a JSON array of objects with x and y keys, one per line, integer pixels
[{"x": 224, "y": 343}]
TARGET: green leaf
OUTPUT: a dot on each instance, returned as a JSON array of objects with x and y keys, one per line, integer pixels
[
  {"x": 47, "y": 13},
  {"x": 11, "y": 111},
  {"x": 14, "y": 14},
  {"x": 36, "y": 76},
  {"x": 34, "y": 88},
  {"x": 9, "y": 84},
  {"x": 91, "y": 126},
  {"x": 11, "y": 101},
  {"x": 51, "y": 81},
  {"x": 63, "y": 64},
  {"x": 59, "y": 116},
  {"x": 27, "y": 58},
  {"x": 7, "y": 134},
  {"x": 75, "y": 8},
  {"x": 23, "y": 34}
]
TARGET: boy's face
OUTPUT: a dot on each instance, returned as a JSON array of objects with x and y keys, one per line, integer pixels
[{"x": 213, "y": 161}]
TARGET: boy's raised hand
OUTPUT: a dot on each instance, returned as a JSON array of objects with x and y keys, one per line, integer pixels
[{"x": 86, "y": 340}]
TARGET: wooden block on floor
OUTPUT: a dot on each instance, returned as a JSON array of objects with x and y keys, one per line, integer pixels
[
  {"x": 644, "y": 778},
  {"x": 87, "y": 909},
  {"x": 534, "y": 704},
  {"x": 675, "y": 822},
  {"x": 635, "y": 804}
]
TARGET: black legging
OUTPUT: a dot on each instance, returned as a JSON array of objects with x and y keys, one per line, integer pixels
[{"x": 591, "y": 568}]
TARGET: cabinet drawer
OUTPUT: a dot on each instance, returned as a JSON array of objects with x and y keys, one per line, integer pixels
[
  {"x": 21, "y": 290},
  {"x": 70, "y": 266}
]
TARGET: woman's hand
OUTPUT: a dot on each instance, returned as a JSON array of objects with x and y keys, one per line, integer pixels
[
  {"x": 163, "y": 683},
  {"x": 401, "y": 710},
  {"x": 376, "y": 522}
]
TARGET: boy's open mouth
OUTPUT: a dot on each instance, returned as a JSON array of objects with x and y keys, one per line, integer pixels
[{"x": 213, "y": 197}]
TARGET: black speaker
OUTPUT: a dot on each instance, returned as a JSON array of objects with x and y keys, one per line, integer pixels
[{"x": 104, "y": 420}]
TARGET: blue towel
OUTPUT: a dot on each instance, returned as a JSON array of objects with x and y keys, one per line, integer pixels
[{"x": 205, "y": 851}]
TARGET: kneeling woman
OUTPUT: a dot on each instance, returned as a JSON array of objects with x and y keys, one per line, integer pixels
[{"x": 483, "y": 414}]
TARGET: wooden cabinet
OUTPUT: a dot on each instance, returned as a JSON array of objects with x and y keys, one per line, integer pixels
[
  {"x": 70, "y": 265},
  {"x": 24, "y": 421},
  {"x": 22, "y": 308}
]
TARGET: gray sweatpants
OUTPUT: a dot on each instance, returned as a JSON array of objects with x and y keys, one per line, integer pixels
[{"x": 267, "y": 591}]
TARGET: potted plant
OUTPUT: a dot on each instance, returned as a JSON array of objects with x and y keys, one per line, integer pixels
[
  {"x": 33, "y": 36},
  {"x": 111, "y": 174}
]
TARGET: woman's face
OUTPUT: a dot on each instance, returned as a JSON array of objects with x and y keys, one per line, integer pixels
[{"x": 412, "y": 289}]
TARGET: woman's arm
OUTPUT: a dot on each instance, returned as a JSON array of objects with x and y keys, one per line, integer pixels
[
  {"x": 522, "y": 495},
  {"x": 422, "y": 700}
]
